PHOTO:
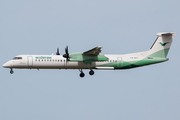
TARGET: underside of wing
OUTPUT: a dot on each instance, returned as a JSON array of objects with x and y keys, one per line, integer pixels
[{"x": 94, "y": 51}]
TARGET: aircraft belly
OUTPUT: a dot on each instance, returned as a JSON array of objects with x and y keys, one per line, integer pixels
[
  {"x": 76, "y": 65},
  {"x": 62, "y": 65}
]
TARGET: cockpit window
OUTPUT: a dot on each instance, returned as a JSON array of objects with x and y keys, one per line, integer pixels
[{"x": 17, "y": 58}]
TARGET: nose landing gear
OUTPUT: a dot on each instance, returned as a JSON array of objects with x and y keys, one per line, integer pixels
[{"x": 11, "y": 71}]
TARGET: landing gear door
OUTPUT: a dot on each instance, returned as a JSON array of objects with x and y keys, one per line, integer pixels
[
  {"x": 120, "y": 62},
  {"x": 29, "y": 61}
]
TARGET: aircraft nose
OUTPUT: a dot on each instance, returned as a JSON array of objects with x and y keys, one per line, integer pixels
[{"x": 6, "y": 65}]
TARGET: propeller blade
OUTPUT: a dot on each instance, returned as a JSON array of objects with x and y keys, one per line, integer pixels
[
  {"x": 57, "y": 52},
  {"x": 67, "y": 54}
]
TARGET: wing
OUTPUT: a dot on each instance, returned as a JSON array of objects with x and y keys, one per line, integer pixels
[{"x": 94, "y": 51}]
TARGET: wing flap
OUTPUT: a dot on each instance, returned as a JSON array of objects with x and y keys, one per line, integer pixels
[{"x": 94, "y": 51}]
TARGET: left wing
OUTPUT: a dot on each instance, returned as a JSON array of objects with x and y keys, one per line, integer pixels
[
  {"x": 94, "y": 51},
  {"x": 88, "y": 56}
]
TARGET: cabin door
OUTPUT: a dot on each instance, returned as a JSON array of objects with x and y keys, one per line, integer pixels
[
  {"x": 120, "y": 62},
  {"x": 29, "y": 61}
]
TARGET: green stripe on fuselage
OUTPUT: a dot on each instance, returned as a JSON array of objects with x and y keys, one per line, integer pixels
[{"x": 151, "y": 59}]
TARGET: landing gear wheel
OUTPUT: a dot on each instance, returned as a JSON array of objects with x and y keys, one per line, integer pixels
[
  {"x": 91, "y": 72},
  {"x": 11, "y": 71},
  {"x": 82, "y": 74}
]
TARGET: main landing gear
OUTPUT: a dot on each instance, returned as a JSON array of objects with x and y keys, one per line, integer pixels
[
  {"x": 81, "y": 74},
  {"x": 91, "y": 72},
  {"x": 11, "y": 71}
]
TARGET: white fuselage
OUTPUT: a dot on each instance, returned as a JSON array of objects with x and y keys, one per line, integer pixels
[{"x": 59, "y": 62}]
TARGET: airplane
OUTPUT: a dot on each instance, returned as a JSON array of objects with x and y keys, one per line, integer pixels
[{"x": 93, "y": 59}]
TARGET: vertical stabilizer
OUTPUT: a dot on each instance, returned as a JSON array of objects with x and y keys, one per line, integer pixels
[{"x": 161, "y": 46}]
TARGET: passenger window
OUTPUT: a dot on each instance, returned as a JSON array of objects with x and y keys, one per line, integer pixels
[{"x": 39, "y": 59}]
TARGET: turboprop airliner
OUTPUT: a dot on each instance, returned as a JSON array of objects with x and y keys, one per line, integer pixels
[{"x": 93, "y": 59}]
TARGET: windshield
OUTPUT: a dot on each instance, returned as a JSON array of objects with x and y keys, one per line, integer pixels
[{"x": 17, "y": 58}]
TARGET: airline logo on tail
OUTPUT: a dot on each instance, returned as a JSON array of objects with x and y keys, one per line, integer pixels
[{"x": 163, "y": 44}]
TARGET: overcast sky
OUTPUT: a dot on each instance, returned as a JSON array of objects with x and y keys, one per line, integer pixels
[{"x": 120, "y": 27}]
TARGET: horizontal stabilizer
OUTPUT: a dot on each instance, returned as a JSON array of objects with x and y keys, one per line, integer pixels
[{"x": 166, "y": 34}]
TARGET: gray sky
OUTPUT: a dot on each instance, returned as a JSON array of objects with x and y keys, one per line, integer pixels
[{"x": 39, "y": 27}]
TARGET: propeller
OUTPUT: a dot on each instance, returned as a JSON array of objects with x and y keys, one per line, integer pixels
[
  {"x": 67, "y": 54},
  {"x": 57, "y": 52}
]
